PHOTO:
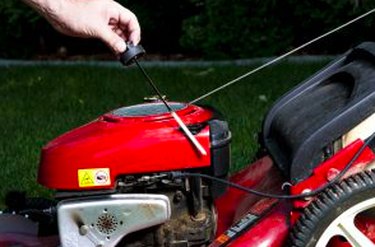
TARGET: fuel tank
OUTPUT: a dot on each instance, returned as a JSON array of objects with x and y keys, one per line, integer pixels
[{"x": 137, "y": 139}]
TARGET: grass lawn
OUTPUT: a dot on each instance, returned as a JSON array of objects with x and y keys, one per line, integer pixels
[{"x": 40, "y": 103}]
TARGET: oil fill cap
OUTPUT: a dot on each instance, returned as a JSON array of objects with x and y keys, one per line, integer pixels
[{"x": 132, "y": 52}]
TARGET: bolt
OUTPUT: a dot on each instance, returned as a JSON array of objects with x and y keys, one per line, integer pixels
[
  {"x": 177, "y": 197},
  {"x": 83, "y": 230},
  {"x": 306, "y": 191}
]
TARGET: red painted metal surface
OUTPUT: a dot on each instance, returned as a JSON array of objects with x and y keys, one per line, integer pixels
[
  {"x": 326, "y": 171},
  {"x": 271, "y": 231},
  {"x": 366, "y": 225},
  {"x": 263, "y": 176},
  {"x": 234, "y": 204},
  {"x": 124, "y": 145}
]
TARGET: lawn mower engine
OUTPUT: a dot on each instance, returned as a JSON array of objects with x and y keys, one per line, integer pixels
[{"x": 113, "y": 177}]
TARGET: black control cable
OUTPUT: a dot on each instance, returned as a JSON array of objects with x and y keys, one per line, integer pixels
[{"x": 277, "y": 196}]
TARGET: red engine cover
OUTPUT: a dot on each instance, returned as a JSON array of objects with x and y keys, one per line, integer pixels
[{"x": 131, "y": 140}]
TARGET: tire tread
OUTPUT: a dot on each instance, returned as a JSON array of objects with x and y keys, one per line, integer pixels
[{"x": 305, "y": 226}]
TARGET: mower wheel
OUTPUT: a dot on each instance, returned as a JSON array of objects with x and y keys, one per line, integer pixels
[{"x": 342, "y": 215}]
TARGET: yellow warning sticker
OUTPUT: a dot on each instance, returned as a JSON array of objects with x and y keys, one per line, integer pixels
[{"x": 94, "y": 177}]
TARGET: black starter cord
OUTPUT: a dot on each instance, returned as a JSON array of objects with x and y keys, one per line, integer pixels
[{"x": 276, "y": 196}]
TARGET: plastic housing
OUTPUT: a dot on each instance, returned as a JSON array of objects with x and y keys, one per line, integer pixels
[{"x": 138, "y": 139}]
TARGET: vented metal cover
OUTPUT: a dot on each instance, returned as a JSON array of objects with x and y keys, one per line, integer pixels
[
  {"x": 146, "y": 109},
  {"x": 104, "y": 221}
]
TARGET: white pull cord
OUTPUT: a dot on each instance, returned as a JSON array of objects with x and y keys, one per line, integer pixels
[{"x": 280, "y": 57}]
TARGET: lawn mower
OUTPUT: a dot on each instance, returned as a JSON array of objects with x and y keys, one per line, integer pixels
[{"x": 156, "y": 173}]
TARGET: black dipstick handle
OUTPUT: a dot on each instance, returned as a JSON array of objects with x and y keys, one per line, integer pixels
[{"x": 132, "y": 52}]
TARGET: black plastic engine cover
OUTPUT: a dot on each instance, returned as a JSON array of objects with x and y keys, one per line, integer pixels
[{"x": 220, "y": 137}]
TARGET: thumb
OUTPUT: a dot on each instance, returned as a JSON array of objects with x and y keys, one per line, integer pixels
[{"x": 113, "y": 40}]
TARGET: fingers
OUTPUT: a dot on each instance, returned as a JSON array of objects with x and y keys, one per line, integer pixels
[
  {"x": 129, "y": 22},
  {"x": 122, "y": 26},
  {"x": 113, "y": 40}
]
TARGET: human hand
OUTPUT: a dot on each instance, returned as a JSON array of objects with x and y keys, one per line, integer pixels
[{"x": 103, "y": 19}]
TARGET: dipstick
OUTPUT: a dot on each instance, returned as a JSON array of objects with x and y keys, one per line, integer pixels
[{"x": 174, "y": 114}]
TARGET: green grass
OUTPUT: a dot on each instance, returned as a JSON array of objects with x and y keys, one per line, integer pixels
[{"x": 40, "y": 103}]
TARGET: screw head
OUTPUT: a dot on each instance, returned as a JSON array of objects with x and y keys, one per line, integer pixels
[{"x": 83, "y": 230}]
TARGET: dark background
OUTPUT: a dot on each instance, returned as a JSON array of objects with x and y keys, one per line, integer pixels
[{"x": 211, "y": 29}]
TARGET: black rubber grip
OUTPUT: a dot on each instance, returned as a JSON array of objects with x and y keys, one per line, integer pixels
[{"x": 131, "y": 52}]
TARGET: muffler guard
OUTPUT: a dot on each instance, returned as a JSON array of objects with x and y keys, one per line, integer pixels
[{"x": 104, "y": 221}]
